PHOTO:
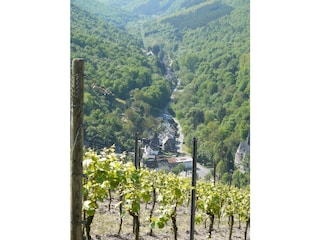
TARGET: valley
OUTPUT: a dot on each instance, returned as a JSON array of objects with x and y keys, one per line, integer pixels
[
  {"x": 187, "y": 61},
  {"x": 159, "y": 74}
]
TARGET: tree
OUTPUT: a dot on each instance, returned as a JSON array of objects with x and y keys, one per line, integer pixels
[
  {"x": 190, "y": 61},
  {"x": 179, "y": 168},
  {"x": 156, "y": 49},
  {"x": 208, "y": 149},
  {"x": 226, "y": 178},
  {"x": 237, "y": 178}
]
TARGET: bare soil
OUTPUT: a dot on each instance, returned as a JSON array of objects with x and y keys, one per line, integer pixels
[{"x": 105, "y": 226}]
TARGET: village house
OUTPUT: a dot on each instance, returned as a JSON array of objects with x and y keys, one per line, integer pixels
[
  {"x": 243, "y": 149},
  {"x": 240, "y": 155},
  {"x": 158, "y": 164},
  {"x": 186, "y": 161},
  {"x": 169, "y": 144},
  {"x": 168, "y": 163},
  {"x": 149, "y": 152},
  {"x": 150, "y": 53}
]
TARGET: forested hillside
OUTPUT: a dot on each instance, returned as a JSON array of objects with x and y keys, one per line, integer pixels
[
  {"x": 208, "y": 43},
  {"x": 106, "y": 11},
  {"x": 215, "y": 71},
  {"x": 123, "y": 86}
]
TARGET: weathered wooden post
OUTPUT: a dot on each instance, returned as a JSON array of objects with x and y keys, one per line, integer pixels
[
  {"x": 76, "y": 145},
  {"x": 136, "y": 165},
  {"x": 193, "y": 191},
  {"x": 136, "y": 152}
]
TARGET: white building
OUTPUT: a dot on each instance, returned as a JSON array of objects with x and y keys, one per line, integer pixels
[
  {"x": 240, "y": 155},
  {"x": 149, "y": 152}
]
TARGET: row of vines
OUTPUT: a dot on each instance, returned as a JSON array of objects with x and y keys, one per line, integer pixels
[{"x": 108, "y": 174}]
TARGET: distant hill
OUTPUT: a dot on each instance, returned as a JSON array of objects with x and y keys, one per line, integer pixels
[
  {"x": 152, "y": 7},
  {"x": 198, "y": 17},
  {"x": 108, "y": 11}
]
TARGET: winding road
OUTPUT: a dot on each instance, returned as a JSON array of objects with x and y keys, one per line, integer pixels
[
  {"x": 166, "y": 112},
  {"x": 201, "y": 170}
]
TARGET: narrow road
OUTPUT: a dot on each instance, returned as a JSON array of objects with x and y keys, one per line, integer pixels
[
  {"x": 180, "y": 138},
  {"x": 166, "y": 111},
  {"x": 201, "y": 170}
]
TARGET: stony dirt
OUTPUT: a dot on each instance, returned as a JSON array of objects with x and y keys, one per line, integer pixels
[{"x": 106, "y": 224}]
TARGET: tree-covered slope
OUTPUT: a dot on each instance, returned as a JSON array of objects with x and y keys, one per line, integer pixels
[
  {"x": 214, "y": 67},
  {"x": 108, "y": 11},
  {"x": 200, "y": 16},
  {"x": 151, "y": 7},
  {"x": 123, "y": 86},
  {"x": 212, "y": 60}
]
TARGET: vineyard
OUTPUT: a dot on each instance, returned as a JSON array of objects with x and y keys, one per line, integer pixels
[{"x": 153, "y": 203}]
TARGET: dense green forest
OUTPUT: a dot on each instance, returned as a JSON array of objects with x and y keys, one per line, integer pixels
[
  {"x": 213, "y": 63},
  {"x": 124, "y": 88},
  {"x": 209, "y": 45},
  {"x": 107, "y": 11}
]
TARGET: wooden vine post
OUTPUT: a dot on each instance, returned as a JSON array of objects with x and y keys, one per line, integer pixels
[
  {"x": 76, "y": 145},
  {"x": 136, "y": 152},
  {"x": 135, "y": 226},
  {"x": 193, "y": 191}
]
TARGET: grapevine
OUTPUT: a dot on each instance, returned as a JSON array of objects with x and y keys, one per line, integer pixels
[{"x": 107, "y": 172}]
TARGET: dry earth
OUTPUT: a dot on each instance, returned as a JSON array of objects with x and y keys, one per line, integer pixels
[{"x": 106, "y": 224}]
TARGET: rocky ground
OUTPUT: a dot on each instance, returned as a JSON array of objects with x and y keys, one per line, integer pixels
[{"x": 106, "y": 224}]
